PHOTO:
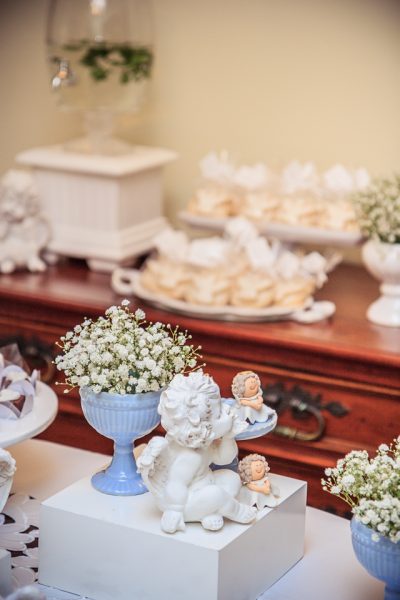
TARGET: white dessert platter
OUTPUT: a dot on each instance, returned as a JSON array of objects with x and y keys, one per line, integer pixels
[
  {"x": 280, "y": 231},
  {"x": 310, "y": 312},
  {"x": 44, "y": 411}
]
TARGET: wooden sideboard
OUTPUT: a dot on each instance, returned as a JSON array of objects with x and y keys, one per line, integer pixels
[{"x": 340, "y": 375}]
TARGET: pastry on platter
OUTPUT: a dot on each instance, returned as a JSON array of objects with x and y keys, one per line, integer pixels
[
  {"x": 300, "y": 210},
  {"x": 253, "y": 290},
  {"x": 211, "y": 252},
  {"x": 165, "y": 277},
  {"x": 214, "y": 197},
  {"x": 339, "y": 215},
  {"x": 293, "y": 293},
  {"x": 209, "y": 287},
  {"x": 339, "y": 183},
  {"x": 299, "y": 195},
  {"x": 260, "y": 205},
  {"x": 213, "y": 201},
  {"x": 238, "y": 267},
  {"x": 299, "y": 179},
  {"x": 254, "y": 184}
]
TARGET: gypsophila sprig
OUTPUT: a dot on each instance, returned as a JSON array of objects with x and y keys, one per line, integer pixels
[
  {"x": 371, "y": 486},
  {"x": 121, "y": 353},
  {"x": 378, "y": 210}
]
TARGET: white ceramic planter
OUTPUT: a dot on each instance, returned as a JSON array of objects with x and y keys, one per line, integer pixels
[
  {"x": 106, "y": 209},
  {"x": 383, "y": 262}
]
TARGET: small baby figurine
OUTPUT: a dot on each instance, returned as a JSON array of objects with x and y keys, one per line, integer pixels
[
  {"x": 246, "y": 389},
  {"x": 257, "y": 489}
]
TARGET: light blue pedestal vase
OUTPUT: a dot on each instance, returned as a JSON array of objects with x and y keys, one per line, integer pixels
[
  {"x": 381, "y": 559},
  {"x": 123, "y": 419}
]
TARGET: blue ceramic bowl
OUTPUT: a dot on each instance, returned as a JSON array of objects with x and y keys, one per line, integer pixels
[
  {"x": 122, "y": 419},
  {"x": 381, "y": 559}
]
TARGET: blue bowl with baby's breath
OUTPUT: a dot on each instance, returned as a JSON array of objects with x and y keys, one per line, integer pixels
[
  {"x": 371, "y": 487},
  {"x": 121, "y": 363}
]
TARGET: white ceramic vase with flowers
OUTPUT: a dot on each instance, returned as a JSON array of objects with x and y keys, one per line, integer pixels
[
  {"x": 121, "y": 364},
  {"x": 371, "y": 487},
  {"x": 378, "y": 210}
]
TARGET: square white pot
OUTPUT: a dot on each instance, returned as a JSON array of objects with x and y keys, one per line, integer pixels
[
  {"x": 105, "y": 209},
  {"x": 112, "y": 548}
]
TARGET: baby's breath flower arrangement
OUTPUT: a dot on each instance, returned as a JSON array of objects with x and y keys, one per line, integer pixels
[
  {"x": 371, "y": 487},
  {"x": 122, "y": 353},
  {"x": 378, "y": 210}
]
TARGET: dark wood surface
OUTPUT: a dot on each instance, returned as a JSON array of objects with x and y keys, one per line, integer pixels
[
  {"x": 72, "y": 287},
  {"x": 346, "y": 359}
]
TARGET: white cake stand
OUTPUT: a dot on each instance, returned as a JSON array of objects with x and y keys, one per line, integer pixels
[
  {"x": 293, "y": 234},
  {"x": 44, "y": 411}
]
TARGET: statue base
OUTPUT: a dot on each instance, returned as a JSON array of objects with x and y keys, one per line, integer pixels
[{"x": 112, "y": 548}]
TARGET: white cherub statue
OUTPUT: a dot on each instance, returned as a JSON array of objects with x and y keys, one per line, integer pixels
[
  {"x": 24, "y": 232},
  {"x": 200, "y": 430}
]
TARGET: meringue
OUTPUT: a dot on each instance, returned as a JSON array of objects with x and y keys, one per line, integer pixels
[
  {"x": 208, "y": 287},
  {"x": 254, "y": 290},
  {"x": 293, "y": 293},
  {"x": 213, "y": 201},
  {"x": 208, "y": 252},
  {"x": 165, "y": 277}
]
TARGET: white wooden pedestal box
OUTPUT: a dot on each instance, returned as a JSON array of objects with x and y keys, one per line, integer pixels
[
  {"x": 105, "y": 209},
  {"x": 112, "y": 548}
]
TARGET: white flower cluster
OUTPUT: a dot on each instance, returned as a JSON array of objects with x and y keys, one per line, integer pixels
[
  {"x": 121, "y": 353},
  {"x": 371, "y": 487},
  {"x": 378, "y": 210}
]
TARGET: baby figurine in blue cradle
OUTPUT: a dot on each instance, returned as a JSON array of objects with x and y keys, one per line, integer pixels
[{"x": 246, "y": 389}]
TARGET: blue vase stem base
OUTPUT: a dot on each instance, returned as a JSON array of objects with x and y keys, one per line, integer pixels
[
  {"x": 121, "y": 477},
  {"x": 132, "y": 486}
]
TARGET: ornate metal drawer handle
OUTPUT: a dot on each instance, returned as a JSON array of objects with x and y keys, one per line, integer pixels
[
  {"x": 297, "y": 434},
  {"x": 302, "y": 404}
]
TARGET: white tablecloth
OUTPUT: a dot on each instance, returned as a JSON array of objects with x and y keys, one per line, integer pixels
[{"x": 328, "y": 570}]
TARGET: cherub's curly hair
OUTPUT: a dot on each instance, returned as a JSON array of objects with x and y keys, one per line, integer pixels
[
  {"x": 244, "y": 467},
  {"x": 239, "y": 380},
  {"x": 186, "y": 409}
]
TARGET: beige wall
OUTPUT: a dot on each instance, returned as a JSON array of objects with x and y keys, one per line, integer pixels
[
  {"x": 28, "y": 113},
  {"x": 266, "y": 79}
]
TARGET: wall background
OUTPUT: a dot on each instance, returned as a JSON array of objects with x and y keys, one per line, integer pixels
[{"x": 268, "y": 80}]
